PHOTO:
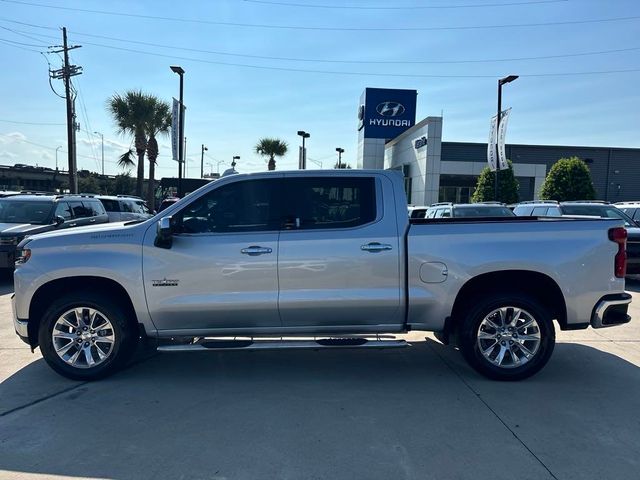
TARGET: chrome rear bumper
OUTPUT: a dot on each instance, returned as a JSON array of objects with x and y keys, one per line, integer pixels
[{"x": 611, "y": 310}]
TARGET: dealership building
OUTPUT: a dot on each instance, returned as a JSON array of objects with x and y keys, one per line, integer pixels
[{"x": 390, "y": 138}]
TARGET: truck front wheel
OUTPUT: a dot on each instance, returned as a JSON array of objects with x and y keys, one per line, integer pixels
[
  {"x": 507, "y": 336},
  {"x": 86, "y": 336}
]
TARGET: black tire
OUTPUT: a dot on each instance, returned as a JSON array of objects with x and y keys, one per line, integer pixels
[
  {"x": 125, "y": 337},
  {"x": 473, "y": 324}
]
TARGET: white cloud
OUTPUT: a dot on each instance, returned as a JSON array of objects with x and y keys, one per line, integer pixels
[
  {"x": 9, "y": 155},
  {"x": 12, "y": 137}
]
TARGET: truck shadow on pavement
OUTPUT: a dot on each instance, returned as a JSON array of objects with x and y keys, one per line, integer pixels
[
  {"x": 6, "y": 283},
  {"x": 384, "y": 414},
  {"x": 632, "y": 284}
]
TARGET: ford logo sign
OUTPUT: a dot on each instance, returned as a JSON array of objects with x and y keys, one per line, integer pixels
[{"x": 390, "y": 109}]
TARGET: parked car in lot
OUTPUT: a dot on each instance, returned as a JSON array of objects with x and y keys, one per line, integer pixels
[
  {"x": 417, "y": 211},
  {"x": 124, "y": 208},
  {"x": 24, "y": 215},
  {"x": 327, "y": 255},
  {"x": 456, "y": 210},
  {"x": 632, "y": 209},
  {"x": 589, "y": 208}
]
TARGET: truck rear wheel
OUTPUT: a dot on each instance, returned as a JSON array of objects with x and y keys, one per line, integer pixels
[
  {"x": 86, "y": 336},
  {"x": 507, "y": 336}
]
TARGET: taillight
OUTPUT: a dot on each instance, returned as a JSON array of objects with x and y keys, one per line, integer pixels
[{"x": 619, "y": 235}]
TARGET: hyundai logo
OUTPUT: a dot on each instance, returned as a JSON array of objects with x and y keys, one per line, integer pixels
[{"x": 390, "y": 109}]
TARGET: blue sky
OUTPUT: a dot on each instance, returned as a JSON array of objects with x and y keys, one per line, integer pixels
[{"x": 229, "y": 107}]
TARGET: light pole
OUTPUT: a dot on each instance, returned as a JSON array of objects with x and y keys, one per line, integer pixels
[
  {"x": 204, "y": 149},
  {"x": 102, "y": 139},
  {"x": 302, "y": 162},
  {"x": 217, "y": 167},
  {"x": 210, "y": 165},
  {"x": 501, "y": 82},
  {"x": 180, "y": 71},
  {"x": 57, "y": 148},
  {"x": 340, "y": 152}
]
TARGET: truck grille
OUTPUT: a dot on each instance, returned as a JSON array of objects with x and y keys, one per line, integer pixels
[{"x": 8, "y": 240}]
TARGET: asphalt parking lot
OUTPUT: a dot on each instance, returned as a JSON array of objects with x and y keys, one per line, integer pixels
[{"x": 414, "y": 413}]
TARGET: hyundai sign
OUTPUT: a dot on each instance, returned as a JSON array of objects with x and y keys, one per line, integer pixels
[{"x": 386, "y": 113}]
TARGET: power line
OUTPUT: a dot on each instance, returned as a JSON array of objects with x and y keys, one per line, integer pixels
[
  {"x": 319, "y": 60},
  {"x": 365, "y": 74},
  {"x": 30, "y": 123},
  {"x": 385, "y": 62},
  {"x": 324, "y": 28},
  {"x": 11, "y": 44},
  {"x": 6, "y": 40},
  {"x": 415, "y": 7}
]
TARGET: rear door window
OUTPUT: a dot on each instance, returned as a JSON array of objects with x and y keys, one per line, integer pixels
[
  {"x": 79, "y": 210},
  {"x": 94, "y": 208},
  {"x": 540, "y": 211},
  {"x": 110, "y": 205},
  {"x": 329, "y": 202}
]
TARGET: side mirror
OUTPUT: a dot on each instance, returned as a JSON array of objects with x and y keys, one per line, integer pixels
[
  {"x": 164, "y": 234},
  {"x": 59, "y": 220}
]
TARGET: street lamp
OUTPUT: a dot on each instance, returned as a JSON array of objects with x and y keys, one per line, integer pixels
[
  {"x": 302, "y": 161},
  {"x": 340, "y": 152},
  {"x": 204, "y": 149},
  {"x": 501, "y": 82},
  {"x": 233, "y": 161},
  {"x": 180, "y": 71},
  {"x": 102, "y": 138},
  {"x": 210, "y": 165},
  {"x": 217, "y": 167},
  {"x": 57, "y": 148}
]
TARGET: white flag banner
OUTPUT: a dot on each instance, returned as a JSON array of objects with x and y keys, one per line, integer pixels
[
  {"x": 491, "y": 145},
  {"x": 175, "y": 128},
  {"x": 502, "y": 133}
]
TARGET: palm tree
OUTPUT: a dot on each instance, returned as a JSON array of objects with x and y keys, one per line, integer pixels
[
  {"x": 131, "y": 113},
  {"x": 271, "y": 147},
  {"x": 159, "y": 124},
  {"x": 126, "y": 161}
]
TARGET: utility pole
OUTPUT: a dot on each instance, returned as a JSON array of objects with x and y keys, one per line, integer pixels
[
  {"x": 65, "y": 73},
  {"x": 204, "y": 149}
]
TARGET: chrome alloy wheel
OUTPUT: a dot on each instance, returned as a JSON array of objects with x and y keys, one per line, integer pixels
[
  {"x": 508, "y": 337},
  {"x": 83, "y": 337}
]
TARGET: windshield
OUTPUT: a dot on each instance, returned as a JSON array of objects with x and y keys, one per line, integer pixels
[
  {"x": 478, "y": 211},
  {"x": 37, "y": 213},
  {"x": 602, "y": 211}
]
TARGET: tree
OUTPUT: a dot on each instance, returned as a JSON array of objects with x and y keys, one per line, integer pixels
[
  {"x": 126, "y": 161},
  {"x": 159, "y": 123},
  {"x": 131, "y": 113},
  {"x": 123, "y": 184},
  {"x": 507, "y": 189},
  {"x": 568, "y": 179},
  {"x": 271, "y": 147},
  {"x": 88, "y": 183}
]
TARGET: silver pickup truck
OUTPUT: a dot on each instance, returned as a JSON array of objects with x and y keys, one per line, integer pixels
[{"x": 316, "y": 259}]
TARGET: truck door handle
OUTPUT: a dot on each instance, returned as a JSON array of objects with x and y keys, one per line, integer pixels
[
  {"x": 375, "y": 247},
  {"x": 92, "y": 220},
  {"x": 256, "y": 250}
]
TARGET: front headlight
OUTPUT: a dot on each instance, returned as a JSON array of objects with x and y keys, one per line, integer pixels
[{"x": 23, "y": 253}]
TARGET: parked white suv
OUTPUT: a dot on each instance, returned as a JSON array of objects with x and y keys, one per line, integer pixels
[{"x": 123, "y": 208}]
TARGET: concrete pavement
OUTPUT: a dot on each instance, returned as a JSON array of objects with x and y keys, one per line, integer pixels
[{"x": 414, "y": 413}]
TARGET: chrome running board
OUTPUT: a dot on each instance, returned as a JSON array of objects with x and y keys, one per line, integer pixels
[{"x": 213, "y": 344}]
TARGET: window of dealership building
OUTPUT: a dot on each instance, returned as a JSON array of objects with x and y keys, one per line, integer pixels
[{"x": 437, "y": 171}]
